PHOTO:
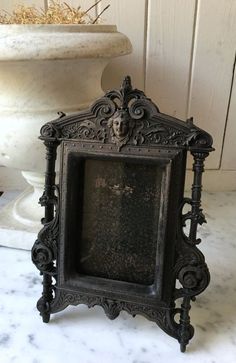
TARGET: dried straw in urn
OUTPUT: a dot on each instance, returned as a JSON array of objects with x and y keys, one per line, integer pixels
[{"x": 56, "y": 13}]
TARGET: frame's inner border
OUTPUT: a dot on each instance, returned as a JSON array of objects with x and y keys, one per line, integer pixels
[{"x": 70, "y": 277}]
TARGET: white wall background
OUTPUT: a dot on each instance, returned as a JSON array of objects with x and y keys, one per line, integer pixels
[{"x": 184, "y": 59}]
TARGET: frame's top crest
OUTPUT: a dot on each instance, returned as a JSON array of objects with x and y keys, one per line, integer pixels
[{"x": 127, "y": 116}]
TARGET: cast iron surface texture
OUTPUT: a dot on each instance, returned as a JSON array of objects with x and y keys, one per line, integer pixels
[{"x": 113, "y": 232}]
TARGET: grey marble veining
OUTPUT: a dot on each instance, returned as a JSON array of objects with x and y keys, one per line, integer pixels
[
  {"x": 78, "y": 334},
  {"x": 13, "y": 233}
]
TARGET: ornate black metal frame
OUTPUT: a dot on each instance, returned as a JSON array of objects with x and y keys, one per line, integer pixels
[{"x": 126, "y": 120}]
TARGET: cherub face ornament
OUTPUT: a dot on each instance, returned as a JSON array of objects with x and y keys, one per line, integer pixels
[{"x": 121, "y": 127}]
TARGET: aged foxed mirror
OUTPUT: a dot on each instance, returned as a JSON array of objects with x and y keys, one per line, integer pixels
[{"x": 113, "y": 231}]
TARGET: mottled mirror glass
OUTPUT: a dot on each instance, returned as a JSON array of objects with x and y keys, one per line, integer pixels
[{"x": 118, "y": 219}]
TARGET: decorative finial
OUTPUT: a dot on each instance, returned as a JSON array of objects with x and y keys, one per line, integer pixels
[
  {"x": 125, "y": 90},
  {"x": 126, "y": 85},
  {"x": 190, "y": 121}
]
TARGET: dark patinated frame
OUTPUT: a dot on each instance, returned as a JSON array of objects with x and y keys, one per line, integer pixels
[{"x": 148, "y": 133}]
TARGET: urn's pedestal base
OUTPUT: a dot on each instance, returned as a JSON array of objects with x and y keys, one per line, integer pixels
[
  {"x": 26, "y": 208},
  {"x": 13, "y": 233}
]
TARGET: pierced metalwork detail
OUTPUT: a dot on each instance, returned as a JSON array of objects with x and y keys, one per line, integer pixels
[
  {"x": 84, "y": 130},
  {"x": 127, "y": 117},
  {"x": 123, "y": 118},
  {"x": 190, "y": 267},
  {"x": 196, "y": 217},
  {"x": 163, "y": 317},
  {"x": 44, "y": 251}
]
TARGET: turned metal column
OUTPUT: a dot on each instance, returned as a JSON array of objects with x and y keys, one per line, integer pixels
[
  {"x": 196, "y": 212},
  {"x": 42, "y": 253},
  {"x": 190, "y": 271}
]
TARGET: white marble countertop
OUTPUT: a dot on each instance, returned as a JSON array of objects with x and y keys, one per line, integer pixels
[{"x": 87, "y": 336}]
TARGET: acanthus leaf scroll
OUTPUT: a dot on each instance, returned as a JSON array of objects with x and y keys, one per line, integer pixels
[{"x": 127, "y": 116}]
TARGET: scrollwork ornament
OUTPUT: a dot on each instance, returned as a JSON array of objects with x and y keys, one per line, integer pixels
[
  {"x": 124, "y": 118},
  {"x": 199, "y": 139},
  {"x": 142, "y": 108},
  {"x": 44, "y": 251},
  {"x": 157, "y": 128},
  {"x": 42, "y": 257},
  {"x": 103, "y": 108},
  {"x": 162, "y": 317},
  {"x": 193, "y": 274},
  {"x": 49, "y": 131},
  {"x": 44, "y": 200},
  {"x": 196, "y": 217}
]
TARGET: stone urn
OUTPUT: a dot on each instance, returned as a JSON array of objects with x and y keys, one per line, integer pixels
[{"x": 45, "y": 69}]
